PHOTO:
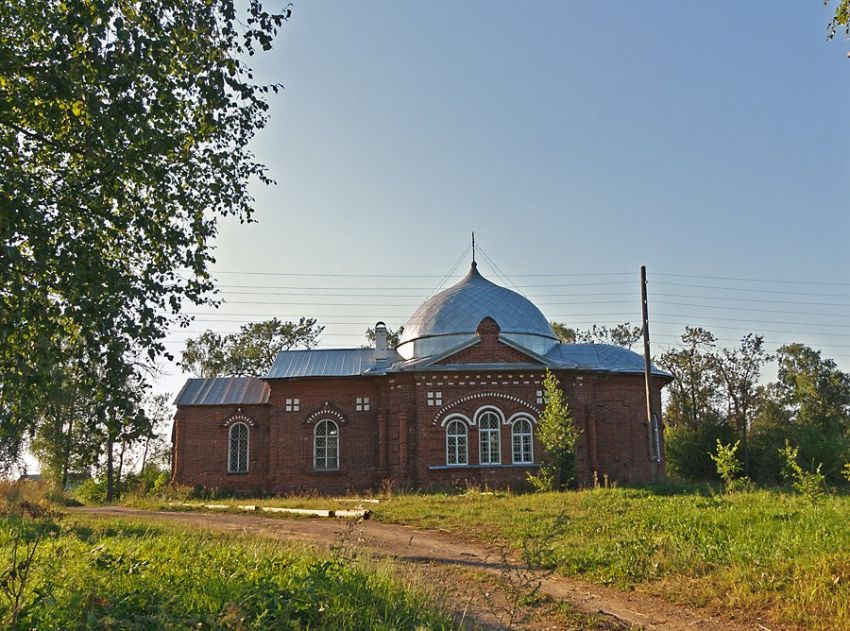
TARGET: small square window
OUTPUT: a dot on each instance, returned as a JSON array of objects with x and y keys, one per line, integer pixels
[
  {"x": 362, "y": 404},
  {"x": 434, "y": 398},
  {"x": 292, "y": 405},
  {"x": 541, "y": 398}
]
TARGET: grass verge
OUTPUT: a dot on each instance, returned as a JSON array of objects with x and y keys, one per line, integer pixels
[{"x": 106, "y": 573}]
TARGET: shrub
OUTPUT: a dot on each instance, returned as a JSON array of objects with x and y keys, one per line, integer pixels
[
  {"x": 92, "y": 491},
  {"x": 31, "y": 492},
  {"x": 811, "y": 484},
  {"x": 688, "y": 450},
  {"x": 728, "y": 465},
  {"x": 558, "y": 434}
]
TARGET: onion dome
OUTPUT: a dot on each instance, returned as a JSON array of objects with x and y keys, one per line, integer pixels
[{"x": 452, "y": 317}]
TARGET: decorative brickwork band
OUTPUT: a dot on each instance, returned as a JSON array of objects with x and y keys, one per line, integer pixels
[{"x": 238, "y": 418}]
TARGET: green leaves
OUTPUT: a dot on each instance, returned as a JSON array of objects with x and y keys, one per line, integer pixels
[
  {"x": 558, "y": 435},
  {"x": 124, "y": 134},
  {"x": 728, "y": 465},
  {"x": 251, "y": 351}
]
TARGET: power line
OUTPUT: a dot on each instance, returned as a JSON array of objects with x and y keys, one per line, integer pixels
[
  {"x": 315, "y": 275},
  {"x": 405, "y": 305},
  {"x": 713, "y": 317},
  {"x": 753, "y": 290},
  {"x": 765, "y": 300},
  {"x": 782, "y": 311},
  {"x": 756, "y": 280},
  {"x": 738, "y": 328}
]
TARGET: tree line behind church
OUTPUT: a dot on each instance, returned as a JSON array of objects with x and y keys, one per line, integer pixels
[{"x": 717, "y": 397}]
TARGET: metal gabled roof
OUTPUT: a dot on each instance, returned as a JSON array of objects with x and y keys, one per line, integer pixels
[
  {"x": 600, "y": 357},
  {"x": 343, "y": 362},
  {"x": 223, "y": 391},
  {"x": 461, "y": 308}
]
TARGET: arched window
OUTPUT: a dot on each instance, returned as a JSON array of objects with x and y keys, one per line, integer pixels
[
  {"x": 521, "y": 442},
  {"x": 326, "y": 446},
  {"x": 237, "y": 448},
  {"x": 456, "y": 453},
  {"x": 489, "y": 442}
]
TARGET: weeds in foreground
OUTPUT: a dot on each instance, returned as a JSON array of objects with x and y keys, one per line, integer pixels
[
  {"x": 521, "y": 582},
  {"x": 31, "y": 526},
  {"x": 118, "y": 574}
]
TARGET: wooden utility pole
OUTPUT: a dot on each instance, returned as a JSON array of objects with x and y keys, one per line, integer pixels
[{"x": 651, "y": 422}]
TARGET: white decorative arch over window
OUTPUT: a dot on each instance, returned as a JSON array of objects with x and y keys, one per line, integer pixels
[
  {"x": 326, "y": 446},
  {"x": 238, "y": 418},
  {"x": 489, "y": 421},
  {"x": 522, "y": 443},
  {"x": 446, "y": 411},
  {"x": 456, "y": 442},
  {"x": 237, "y": 448}
]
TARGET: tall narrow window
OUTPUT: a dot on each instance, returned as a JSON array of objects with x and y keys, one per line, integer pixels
[
  {"x": 456, "y": 443},
  {"x": 326, "y": 446},
  {"x": 488, "y": 438},
  {"x": 521, "y": 442},
  {"x": 237, "y": 449}
]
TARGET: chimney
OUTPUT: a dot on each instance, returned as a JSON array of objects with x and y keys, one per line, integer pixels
[{"x": 380, "y": 342}]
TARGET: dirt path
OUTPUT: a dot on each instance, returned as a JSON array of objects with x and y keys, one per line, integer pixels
[{"x": 430, "y": 547}]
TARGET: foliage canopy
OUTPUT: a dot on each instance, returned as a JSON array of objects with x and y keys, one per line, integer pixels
[
  {"x": 124, "y": 132},
  {"x": 251, "y": 351}
]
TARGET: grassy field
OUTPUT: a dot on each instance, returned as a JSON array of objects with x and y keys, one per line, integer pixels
[
  {"x": 759, "y": 553},
  {"x": 105, "y": 574}
]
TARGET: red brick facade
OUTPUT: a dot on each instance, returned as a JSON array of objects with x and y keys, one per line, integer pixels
[{"x": 401, "y": 437}]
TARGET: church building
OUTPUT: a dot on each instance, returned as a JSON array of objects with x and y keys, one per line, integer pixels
[{"x": 455, "y": 403}]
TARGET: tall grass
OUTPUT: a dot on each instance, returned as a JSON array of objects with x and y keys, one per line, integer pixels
[
  {"x": 762, "y": 552},
  {"x": 115, "y": 574}
]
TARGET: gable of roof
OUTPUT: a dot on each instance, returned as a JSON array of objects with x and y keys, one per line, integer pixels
[{"x": 223, "y": 391}]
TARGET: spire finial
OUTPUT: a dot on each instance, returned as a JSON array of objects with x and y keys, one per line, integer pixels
[{"x": 473, "y": 247}]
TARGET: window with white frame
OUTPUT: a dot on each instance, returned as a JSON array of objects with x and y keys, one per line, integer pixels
[
  {"x": 521, "y": 440},
  {"x": 489, "y": 443},
  {"x": 361, "y": 404},
  {"x": 435, "y": 398},
  {"x": 541, "y": 397},
  {"x": 326, "y": 446},
  {"x": 292, "y": 405},
  {"x": 237, "y": 448},
  {"x": 456, "y": 435}
]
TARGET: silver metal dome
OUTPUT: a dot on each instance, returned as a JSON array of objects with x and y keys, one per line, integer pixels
[{"x": 453, "y": 315}]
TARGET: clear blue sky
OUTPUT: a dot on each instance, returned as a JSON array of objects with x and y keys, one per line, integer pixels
[{"x": 701, "y": 139}]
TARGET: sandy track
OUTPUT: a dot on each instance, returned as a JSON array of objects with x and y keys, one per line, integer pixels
[{"x": 426, "y": 546}]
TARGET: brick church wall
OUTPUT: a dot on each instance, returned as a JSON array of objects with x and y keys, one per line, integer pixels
[
  {"x": 401, "y": 438},
  {"x": 201, "y": 439}
]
